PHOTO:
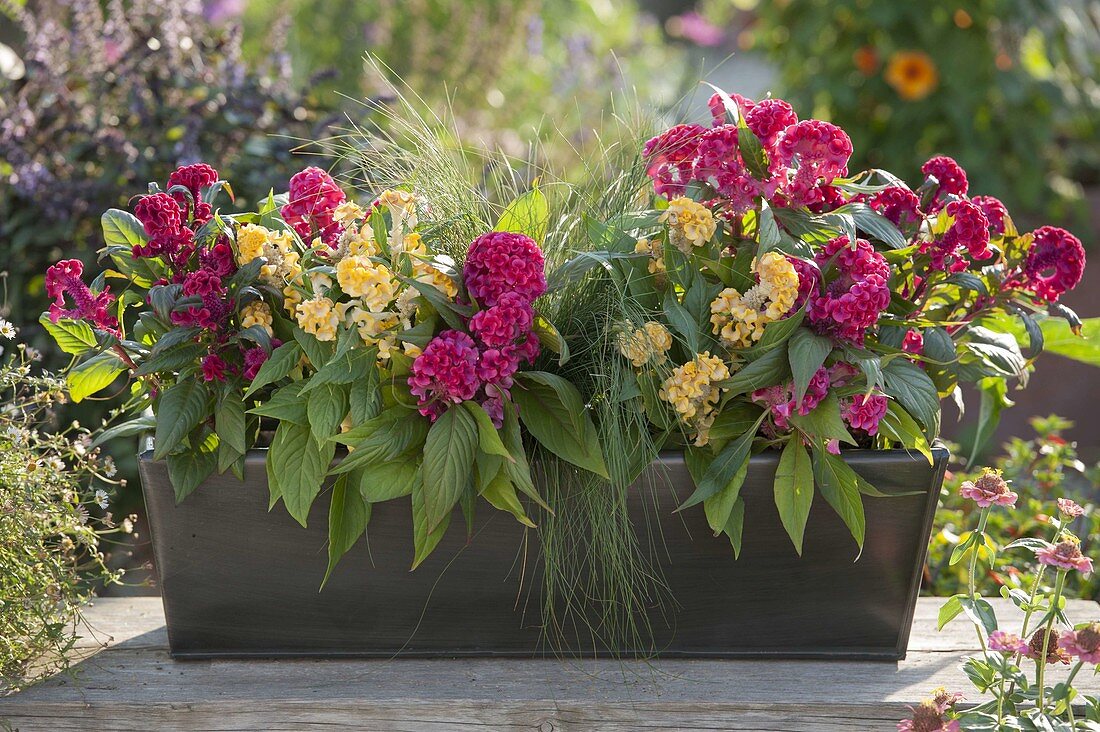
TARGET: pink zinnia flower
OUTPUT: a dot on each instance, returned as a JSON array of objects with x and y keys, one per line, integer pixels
[
  {"x": 1070, "y": 509},
  {"x": 445, "y": 373},
  {"x": 988, "y": 489},
  {"x": 501, "y": 262},
  {"x": 928, "y": 716},
  {"x": 1004, "y": 642},
  {"x": 951, "y": 177},
  {"x": 312, "y": 200},
  {"x": 1054, "y": 653},
  {"x": 1054, "y": 264},
  {"x": 64, "y": 279},
  {"x": 1066, "y": 554},
  {"x": 1083, "y": 643},
  {"x": 669, "y": 157}
]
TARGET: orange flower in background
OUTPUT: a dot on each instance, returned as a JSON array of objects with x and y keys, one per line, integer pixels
[
  {"x": 866, "y": 60},
  {"x": 913, "y": 74}
]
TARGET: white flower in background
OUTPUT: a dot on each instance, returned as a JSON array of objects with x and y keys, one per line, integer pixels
[
  {"x": 101, "y": 498},
  {"x": 7, "y": 330}
]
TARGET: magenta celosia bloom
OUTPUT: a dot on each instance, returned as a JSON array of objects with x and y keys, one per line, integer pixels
[
  {"x": 194, "y": 316},
  {"x": 970, "y": 230},
  {"x": 218, "y": 258},
  {"x": 1054, "y": 263},
  {"x": 989, "y": 489},
  {"x": 158, "y": 213},
  {"x": 718, "y": 112},
  {"x": 1070, "y": 509},
  {"x": 311, "y": 202},
  {"x": 718, "y": 163},
  {"x": 254, "y": 358},
  {"x": 852, "y": 302},
  {"x": 497, "y": 366},
  {"x": 669, "y": 157},
  {"x": 768, "y": 118},
  {"x": 194, "y": 178},
  {"x": 1066, "y": 554},
  {"x": 995, "y": 212},
  {"x": 501, "y": 262},
  {"x": 504, "y": 323},
  {"x": 829, "y": 198},
  {"x": 1083, "y": 643},
  {"x": 1004, "y": 642},
  {"x": 528, "y": 349},
  {"x": 913, "y": 342},
  {"x": 951, "y": 177},
  {"x": 445, "y": 373},
  {"x": 809, "y": 280},
  {"x": 213, "y": 368},
  {"x": 779, "y": 399},
  {"x": 64, "y": 279},
  {"x": 820, "y": 151},
  {"x": 201, "y": 283},
  {"x": 900, "y": 205},
  {"x": 865, "y": 412}
]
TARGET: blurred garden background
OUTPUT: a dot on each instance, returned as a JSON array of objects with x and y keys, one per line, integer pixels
[{"x": 98, "y": 97}]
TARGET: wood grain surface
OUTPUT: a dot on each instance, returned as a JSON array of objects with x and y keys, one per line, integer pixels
[{"x": 128, "y": 682}]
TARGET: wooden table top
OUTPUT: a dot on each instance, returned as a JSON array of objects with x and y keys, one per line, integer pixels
[{"x": 128, "y": 682}]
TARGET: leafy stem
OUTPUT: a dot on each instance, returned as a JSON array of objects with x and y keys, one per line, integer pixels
[
  {"x": 972, "y": 581},
  {"x": 1052, "y": 613}
]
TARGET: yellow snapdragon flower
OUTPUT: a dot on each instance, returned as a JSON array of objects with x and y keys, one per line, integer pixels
[
  {"x": 402, "y": 206},
  {"x": 257, "y": 313},
  {"x": 647, "y": 343},
  {"x": 361, "y": 277},
  {"x": 653, "y": 248},
  {"x": 319, "y": 318},
  {"x": 251, "y": 240},
  {"x": 430, "y": 275},
  {"x": 690, "y": 224},
  {"x": 691, "y": 391},
  {"x": 371, "y": 325},
  {"x": 347, "y": 212},
  {"x": 739, "y": 319}
]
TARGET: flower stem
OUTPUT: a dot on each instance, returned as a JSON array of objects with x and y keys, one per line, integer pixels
[
  {"x": 972, "y": 580},
  {"x": 1042, "y": 661}
]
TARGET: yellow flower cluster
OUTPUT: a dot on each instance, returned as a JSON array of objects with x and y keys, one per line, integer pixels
[
  {"x": 648, "y": 343},
  {"x": 739, "y": 319},
  {"x": 318, "y": 317},
  {"x": 692, "y": 392},
  {"x": 348, "y": 211},
  {"x": 257, "y": 313},
  {"x": 277, "y": 247},
  {"x": 402, "y": 206},
  {"x": 690, "y": 224},
  {"x": 360, "y": 276},
  {"x": 653, "y": 248}
]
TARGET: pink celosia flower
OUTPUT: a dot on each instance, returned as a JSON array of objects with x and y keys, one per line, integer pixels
[
  {"x": 1070, "y": 509},
  {"x": 768, "y": 118},
  {"x": 528, "y": 349},
  {"x": 718, "y": 163},
  {"x": 504, "y": 323},
  {"x": 898, "y": 204},
  {"x": 990, "y": 488},
  {"x": 64, "y": 279},
  {"x": 718, "y": 112},
  {"x": 312, "y": 200},
  {"x": 995, "y": 212},
  {"x": 852, "y": 302},
  {"x": 194, "y": 178},
  {"x": 913, "y": 342},
  {"x": 254, "y": 358},
  {"x": 1054, "y": 263},
  {"x": 493, "y": 404},
  {"x": 951, "y": 178},
  {"x": 159, "y": 213},
  {"x": 500, "y": 262},
  {"x": 780, "y": 399},
  {"x": 1004, "y": 642},
  {"x": 864, "y": 413},
  {"x": 1066, "y": 554},
  {"x": 218, "y": 258},
  {"x": 820, "y": 150},
  {"x": 497, "y": 366},
  {"x": 968, "y": 234},
  {"x": 194, "y": 316},
  {"x": 1054, "y": 653},
  {"x": 669, "y": 157},
  {"x": 1083, "y": 643},
  {"x": 445, "y": 373},
  {"x": 213, "y": 368},
  {"x": 828, "y": 198},
  {"x": 809, "y": 280},
  {"x": 203, "y": 282}
]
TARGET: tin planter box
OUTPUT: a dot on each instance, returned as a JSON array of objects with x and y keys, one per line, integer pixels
[{"x": 240, "y": 581}]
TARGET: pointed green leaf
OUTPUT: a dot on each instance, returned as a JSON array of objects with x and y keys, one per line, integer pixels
[
  {"x": 794, "y": 489},
  {"x": 448, "y": 462},
  {"x": 179, "y": 410}
]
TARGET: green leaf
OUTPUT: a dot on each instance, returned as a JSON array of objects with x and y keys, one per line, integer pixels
[
  {"x": 345, "y": 368},
  {"x": 724, "y": 469},
  {"x": 770, "y": 369},
  {"x": 719, "y": 506},
  {"x": 529, "y": 214},
  {"x": 752, "y": 151},
  {"x": 876, "y": 225},
  {"x": 424, "y": 540},
  {"x": 136, "y": 426},
  {"x": 301, "y": 463},
  {"x": 277, "y": 366},
  {"x": 448, "y": 462},
  {"x": 554, "y": 413},
  {"x": 949, "y": 611},
  {"x": 998, "y": 350},
  {"x": 734, "y": 526},
  {"x": 807, "y": 352},
  {"x": 172, "y": 360},
  {"x": 326, "y": 408},
  {"x": 93, "y": 375},
  {"x": 378, "y": 482},
  {"x": 363, "y": 399},
  {"x": 488, "y": 439},
  {"x": 550, "y": 338},
  {"x": 187, "y": 470},
  {"x": 318, "y": 352},
  {"x": 993, "y": 400},
  {"x": 229, "y": 422},
  {"x": 980, "y": 612},
  {"x": 122, "y": 228},
  {"x": 179, "y": 410},
  {"x": 909, "y": 384},
  {"x": 348, "y": 515},
  {"x": 501, "y": 494},
  {"x": 286, "y": 405},
  {"x": 518, "y": 469},
  {"x": 823, "y": 422},
  {"x": 404, "y": 431},
  {"x": 72, "y": 336},
  {"x": 839, "y": 486},
  {"x": 681, "y": 321},
  {"x": 899, "y": 426},
  {"x": 794, "y": 490}
]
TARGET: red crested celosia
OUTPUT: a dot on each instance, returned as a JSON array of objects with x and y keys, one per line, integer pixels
[
  {"x": 718, "y": 112},
  {"x": 1054, "y": 653},
  {"x": 1069, "y": 508},
  {"x": 1054, "y": 263},
  {"x": 809, "y": 280},
  {"x": 158, "y": 213},
  {"x": 311, "y": 203},
  {"x": 501, "y": 262},
  {"x": 989, "y": 489},
  {"x": 445, "y": 373},
  {"x": 1066, "y": 554},
  {"x": 670, "y": 156},
  {"x": 779, "y": 399},
  {"x": 504, "y": 323},
  {"x": 995, "y": 212},
  {"x": 497, "y": 366},
  {"x": 900, "y": 205},
  {"x": 829, "y": 198},
  {"x": 203, "y": 282},
  {"x": 718, "y": 163},
  {"x": 1004, "y": 642},
  {"x": 218, "y": 258},
  {"x": 850, "y": 303},
  {"x": 528, "y": 349},
  {"x": 64, "y": 279},
  {"x": 1084, "y": 643},
  {"x": 768, "y": 118},
  {"x": 493, "y": 404},
  {"x": 967, "y": 235},
  {"x": 951, "y": 179},
  {"x": 820, "y": 151},
  {"x": 194, "y": 178},
  {"x": 913, "y": 342},
  {"x": 254, "y": 358},
  {"x": 865, "y": 412},
  {"x": 214, "y": 368}
]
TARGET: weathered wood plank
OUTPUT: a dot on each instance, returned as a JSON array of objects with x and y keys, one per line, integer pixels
[{"x": 134, "y": 685}]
